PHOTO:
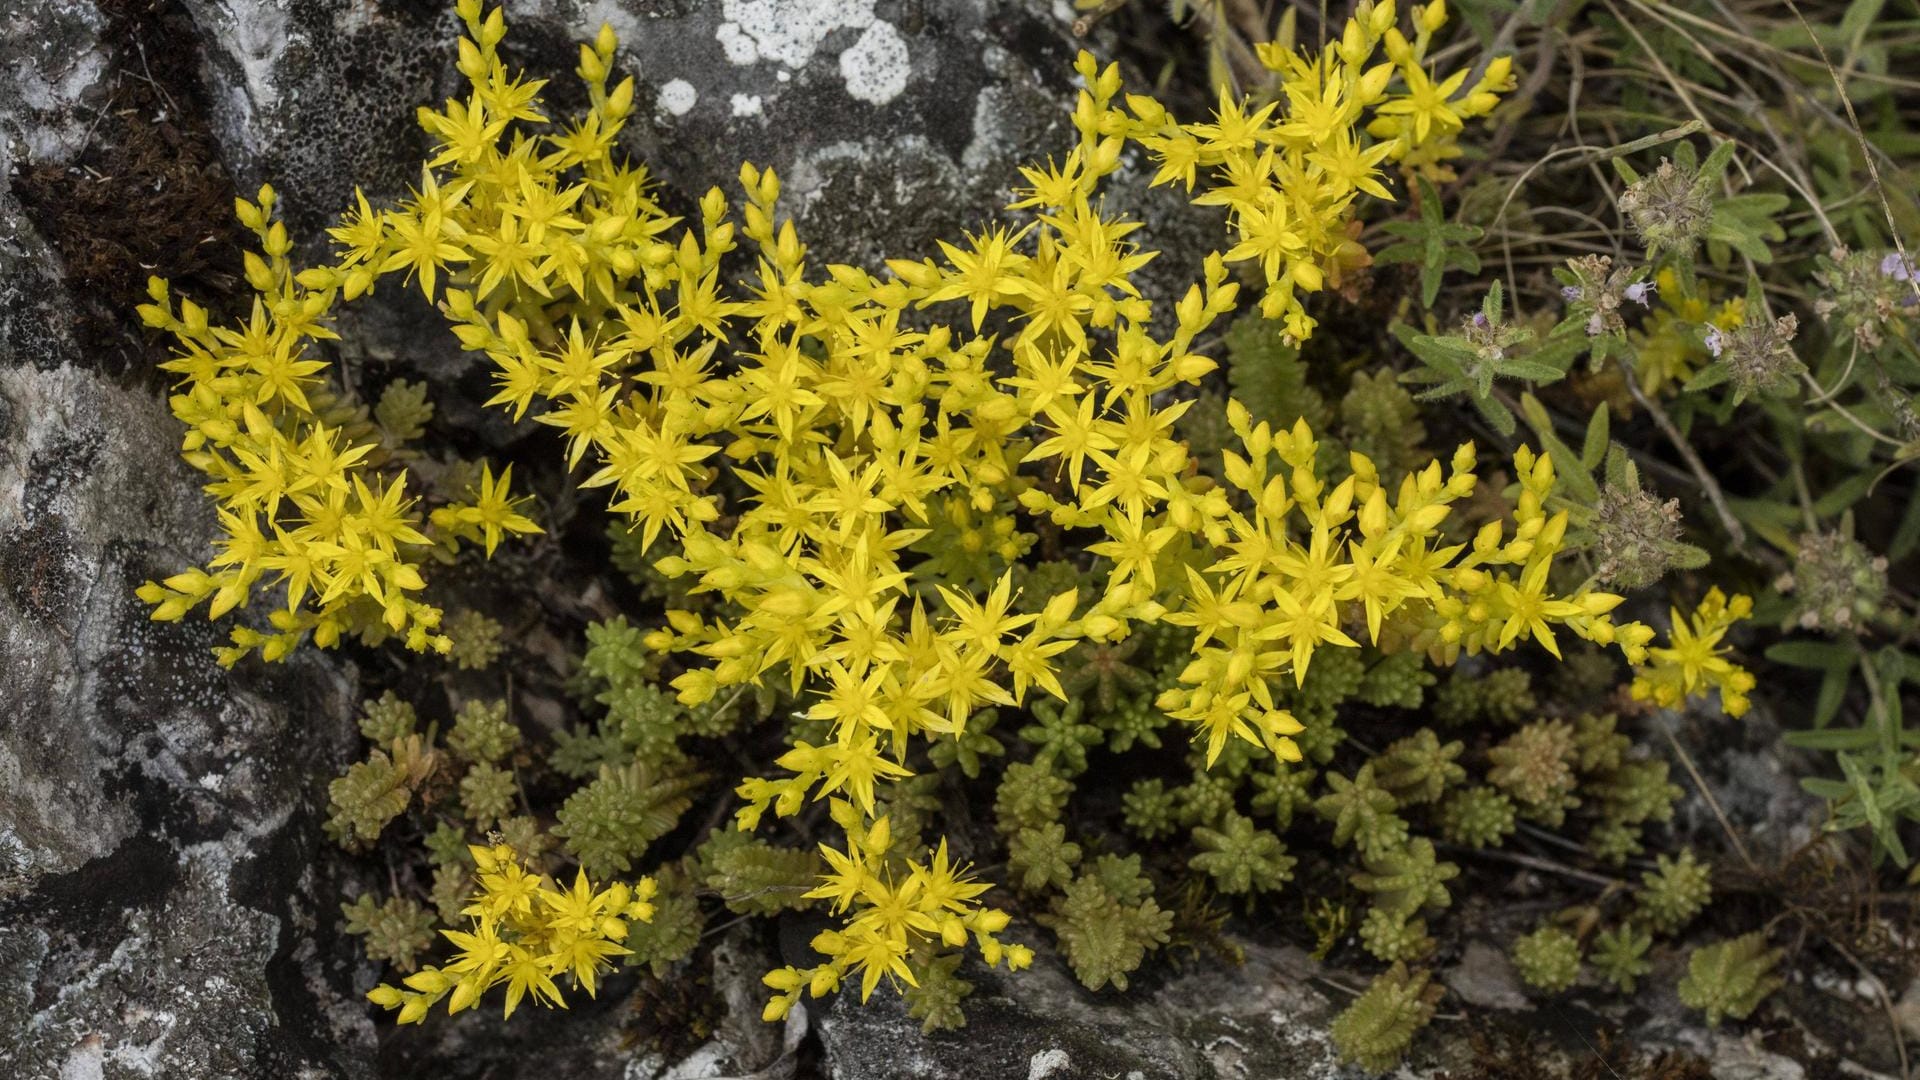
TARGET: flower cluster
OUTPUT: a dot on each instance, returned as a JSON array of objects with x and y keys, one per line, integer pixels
[
  {"x": 304, "y": 495},
  {"x": 526, "y": 932},
  {"x": 792, "y": 441},
  {"x": 1292, "y": 179},
  {"x": 902, "y": 907},
  {"x": 1694, "y": 661}
]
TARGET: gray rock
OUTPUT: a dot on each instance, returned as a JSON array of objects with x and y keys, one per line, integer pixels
[
  {"x": 893, "y": 121},
  {"x": 160, "y": 813}
]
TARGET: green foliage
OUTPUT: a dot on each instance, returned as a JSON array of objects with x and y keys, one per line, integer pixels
[
  {"x": 754, "y": 877},
  {"x": 1136, "y": 722},
  {"x": 1148, "y": 808},
  {"x": 1396, "y": 680},
  {"x": 1376, "y": 1030},
  {"x": 1501, "y": 696},
  {"x": 1877, "y": 789},
  {"x": 1628, "y": 796},
  {"x": 1241, "y": 857},
  {"x": 1547, "y": 959},
  {"x": 1485, "y": 349},
  {"x": 446, "y": 845},
  {"x": 1478, "y": 816},
  {"x": 1109, "y": 674},
  {"x": 487, "y": 794},
  {"x": 1395, "y": 938},
  {"x": 965, "y": 750},
  {"x": 387, "y": 720},
  {"x": 1620, "y": 955},
  {"x": 1432, "y": 243},
  {"x": 1042, "y": 858},
  {"x": 1730, "y": 978},
  {"x": 1061, "y": 736},
  {"x": 1206, "y": 800},
  {"x": 936, "y": 1000},
  {"x": 452, "y": 887},
  {"x": 1283, "y": 791},
  {"x": 1362, "y": 813},
  {"x": 677, "y": 922},
  {"x": 1419, "y": 768},
  {"x": 1535, "y": 766},
  {"x": 1106, "y": 921},
  {"x": 1407, "y": 880},
  {"x": 476, "y": 640},
  {"x": 403, "y": 412},
  {"x": 394, "y": 931},
  {"x": 609, "y": 822},
  {"x": 375, "y": 791},
  {"x": 1380, "y": 419},
  {"x": 1674, "y": 892},
  {"x": 1029, "y": 797},
  {"x": 482, "y": 733},
  {"x": 1268, "y": 376},
  {"x": 526, "y": 836}
]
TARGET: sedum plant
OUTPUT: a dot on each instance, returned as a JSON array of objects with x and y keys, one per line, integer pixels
[
  {"x": 1730, "y": 978},
  {"x": 526, "y": 933},
  {"x": 1547, "y": 959},
  {"x": 789, "y": 453},
  {"x": 1375, "y": 1031}
]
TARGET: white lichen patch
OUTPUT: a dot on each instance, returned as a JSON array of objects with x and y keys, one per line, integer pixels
[
  {"x": 746, "y": 104},
  {"x": 734, "y": 41},
  {"x": 786, "y": 31},
  {"x": 876, "y": 67},
  {"x": 1047, "y": 1063},
  {"x": 677, "y": 97}
]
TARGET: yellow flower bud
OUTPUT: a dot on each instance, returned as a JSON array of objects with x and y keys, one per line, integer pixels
[{"x": 1381, "y": 18}]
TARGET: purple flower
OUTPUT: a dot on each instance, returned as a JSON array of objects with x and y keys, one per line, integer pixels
[
  {"x": 1715, "y": 340},
  {"x": 1570, "y": 293},
  {"x": 1479, "y": 320},
  {"x": 1896, "y": 267},
  {"x": 1596, "y": 325},
  {"x": 1639, "y": 291}
]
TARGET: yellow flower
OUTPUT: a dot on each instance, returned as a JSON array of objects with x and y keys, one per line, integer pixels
[
  {"x": 516, "y": 941},
  {"x": 1694, "y": 661}
]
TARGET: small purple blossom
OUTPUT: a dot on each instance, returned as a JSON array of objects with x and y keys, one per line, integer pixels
[
  {"x": 1479, "y": 320},
  {"x": 1897, "y": 267},
  {"x": 1570, "y": 293},
  {"x": 1715, "y": 340},
  {"x": 1596, "y": 325},
  {"x": 1640, "y": 291}
]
